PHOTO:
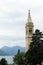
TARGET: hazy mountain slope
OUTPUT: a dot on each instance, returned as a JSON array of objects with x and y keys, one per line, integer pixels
[
  {"x": 2, "y": 53},
  {"x": 13, "y": 50}
]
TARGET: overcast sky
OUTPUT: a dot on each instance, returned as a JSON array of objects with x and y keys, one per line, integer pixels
[{"x": 13, "y": 17}]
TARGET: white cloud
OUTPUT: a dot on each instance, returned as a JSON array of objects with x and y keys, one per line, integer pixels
[{"x": 13, "y": 17}]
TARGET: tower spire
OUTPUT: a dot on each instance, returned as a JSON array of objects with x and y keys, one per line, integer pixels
[
  {"x": 29, "y": 13},
  {"x": 29, "y": 17}
]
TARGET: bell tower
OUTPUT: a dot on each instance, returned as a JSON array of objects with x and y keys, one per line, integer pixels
[{"x": 29, "y": 31}]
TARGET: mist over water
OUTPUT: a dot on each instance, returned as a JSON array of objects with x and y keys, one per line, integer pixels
[{"x": 8, "y": 58}]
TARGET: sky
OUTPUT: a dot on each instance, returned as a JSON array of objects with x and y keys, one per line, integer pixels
[{"x": 13, "y": 17}]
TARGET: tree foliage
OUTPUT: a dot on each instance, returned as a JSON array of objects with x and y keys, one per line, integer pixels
[
  {"x": 18, "y": 58},
  {"x": 3, "y": 61},
  {"x": 35, "y": 53}
]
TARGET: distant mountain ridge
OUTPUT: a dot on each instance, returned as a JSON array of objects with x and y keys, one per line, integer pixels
[
  {"x": 10, "y": 51},
  {"x": 2, "y": 53}
]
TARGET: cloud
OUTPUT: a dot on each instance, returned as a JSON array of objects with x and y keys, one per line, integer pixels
[
  {"x": 13, "y": 17},
  {"x": 7, "y": 41}
]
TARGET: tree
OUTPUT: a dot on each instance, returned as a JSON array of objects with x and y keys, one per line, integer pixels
[
  {"x": 18, "y": 58},
  {"x": 35, "y": 53},
  {"x": 3, "y": 61}
]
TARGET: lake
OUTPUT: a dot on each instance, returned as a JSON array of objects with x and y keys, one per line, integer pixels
[{"x": 8, "y": 58}]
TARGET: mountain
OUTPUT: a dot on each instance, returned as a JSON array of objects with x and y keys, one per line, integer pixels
[
  {"x": 12, "y": 50},
  {"x": 2, "y": 53}
]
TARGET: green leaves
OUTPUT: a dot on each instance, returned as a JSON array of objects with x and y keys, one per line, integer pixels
[
  {"x": 3, "y": 62},
  {"x": 35, "y": 53},
  {"x": 18, "y": 58}
]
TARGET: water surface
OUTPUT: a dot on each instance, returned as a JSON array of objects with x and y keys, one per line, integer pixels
[{"x": 8, "y": 58}]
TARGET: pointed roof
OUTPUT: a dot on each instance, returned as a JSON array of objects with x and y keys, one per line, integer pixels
[
  {"x": 29, "y": 20},
  {"x": 29, "y": 17}
]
